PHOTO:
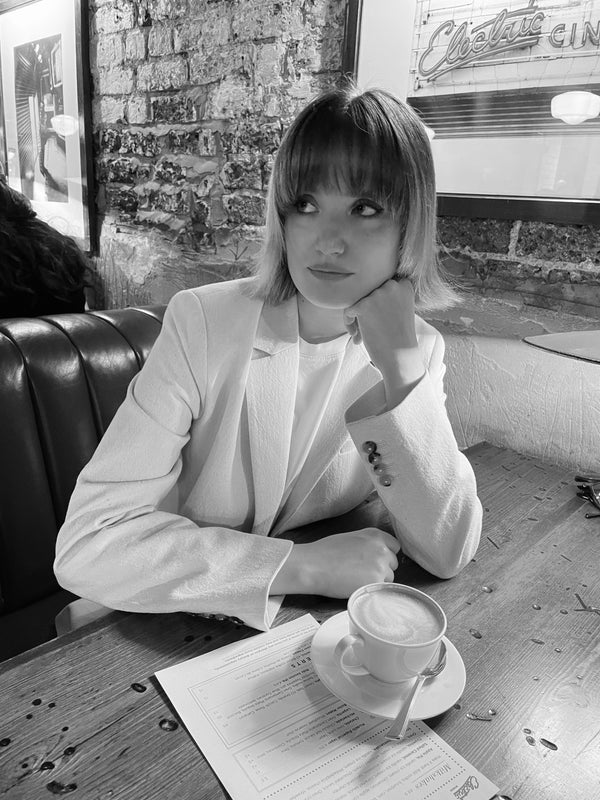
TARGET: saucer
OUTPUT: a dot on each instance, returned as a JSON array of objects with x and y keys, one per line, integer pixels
[{"x": 373, "y": 696}]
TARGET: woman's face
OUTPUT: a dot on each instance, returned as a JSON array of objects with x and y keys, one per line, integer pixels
[{"x": 339, "y": 248}]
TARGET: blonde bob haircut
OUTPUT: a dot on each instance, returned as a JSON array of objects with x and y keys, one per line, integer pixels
[{"x": 367, "y": 144}]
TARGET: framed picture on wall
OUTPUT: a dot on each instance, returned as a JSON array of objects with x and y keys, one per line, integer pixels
[
  {"x": 510, "y": 90},
  {"x": 45, "y": 146}
]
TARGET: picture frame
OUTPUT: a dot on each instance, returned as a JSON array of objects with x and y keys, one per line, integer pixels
[
  {"x": 483, "y": 77},
  {"x": 45, "y": 112}
]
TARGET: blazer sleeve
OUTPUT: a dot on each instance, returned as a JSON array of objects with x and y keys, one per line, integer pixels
[
  {"x": 118, "y": 545},
  {"x": 427, "y": 485}
]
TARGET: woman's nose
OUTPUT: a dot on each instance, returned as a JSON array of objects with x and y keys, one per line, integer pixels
[{"x": 330, "y": 241}]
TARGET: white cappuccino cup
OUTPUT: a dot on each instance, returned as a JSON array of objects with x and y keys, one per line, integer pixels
[{"x": 394, "y": 632}]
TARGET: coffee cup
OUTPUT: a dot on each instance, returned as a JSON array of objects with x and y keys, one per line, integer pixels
[{"x": 394, "y": 632}]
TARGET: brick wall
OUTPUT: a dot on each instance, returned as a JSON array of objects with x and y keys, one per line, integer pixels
[
  {"x": 190, "y": 98},
  {"x": 527, "y": 263},
  {"x": 189, "y": 102}
]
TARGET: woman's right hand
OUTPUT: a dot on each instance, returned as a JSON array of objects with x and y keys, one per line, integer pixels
[{"x": 337, "y": 565}]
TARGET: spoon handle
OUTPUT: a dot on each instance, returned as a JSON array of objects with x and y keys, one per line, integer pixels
[{"x": 400, "y": 724}]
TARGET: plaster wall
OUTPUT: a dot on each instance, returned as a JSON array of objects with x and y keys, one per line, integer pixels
[{"x": 513, "y": 395}]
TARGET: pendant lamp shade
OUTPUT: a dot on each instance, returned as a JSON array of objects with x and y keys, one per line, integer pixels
[{"x": 575, "y": 107}]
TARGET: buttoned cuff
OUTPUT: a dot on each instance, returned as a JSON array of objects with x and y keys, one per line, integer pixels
[{"x": 370, "y": 424}]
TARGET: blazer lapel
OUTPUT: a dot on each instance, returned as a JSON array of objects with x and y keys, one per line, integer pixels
[
  {"x": 271, "y": 394},
  {"x": 357, "y": 376}
]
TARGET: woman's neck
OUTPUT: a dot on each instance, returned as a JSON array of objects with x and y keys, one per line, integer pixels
[{"x": 318, "y": 324}]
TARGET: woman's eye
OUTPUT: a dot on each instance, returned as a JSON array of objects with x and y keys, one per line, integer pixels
[
  {"x": 304, "y": 206},
  {"x": 365, "y": 209}
]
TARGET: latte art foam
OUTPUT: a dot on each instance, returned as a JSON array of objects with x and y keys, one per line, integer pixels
[{"x": 396, "y": 617}]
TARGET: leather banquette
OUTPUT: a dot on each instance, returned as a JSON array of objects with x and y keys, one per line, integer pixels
[{"x": 62, "y": 379}]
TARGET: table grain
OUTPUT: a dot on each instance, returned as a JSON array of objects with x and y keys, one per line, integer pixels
[{"x": 84, "y": 716}]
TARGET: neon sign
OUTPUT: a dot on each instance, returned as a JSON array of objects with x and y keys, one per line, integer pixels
[{"x": 508, "y": 30}]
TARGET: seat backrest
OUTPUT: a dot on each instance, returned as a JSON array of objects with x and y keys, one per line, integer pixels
[{"x": 62, "y": 378}]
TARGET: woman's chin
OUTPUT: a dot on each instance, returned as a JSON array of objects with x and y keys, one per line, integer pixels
[{"x": 331, "y": 297}]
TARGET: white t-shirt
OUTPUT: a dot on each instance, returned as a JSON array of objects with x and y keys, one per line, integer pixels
[{"x": 318, "y": 369}]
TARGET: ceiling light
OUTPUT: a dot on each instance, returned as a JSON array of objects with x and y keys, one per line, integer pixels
[{"x": 575, "y": 107}]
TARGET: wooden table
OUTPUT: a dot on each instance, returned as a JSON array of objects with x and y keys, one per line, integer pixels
[{"x": 73, "y": 723}]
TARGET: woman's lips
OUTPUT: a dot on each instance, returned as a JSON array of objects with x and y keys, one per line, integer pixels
[{"x": 325, "y": 274}]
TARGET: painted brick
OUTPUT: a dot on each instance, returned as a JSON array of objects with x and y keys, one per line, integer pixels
[
  {"x": 169, "y": 172},
  {"x": 137, "y": 110},
  {"x": 218, "y": 213},
  {"x": 141, "y": 143},
  {"x": 238, "y": 238},
  {"x": 323, "y": 13},
  {"x": 110, "y": 51},
  {"x": 331, "y": 52},
  {"x": 123, "y": 170},
  {"x": 168, "y": 73},
  {"x": 135, "y": 45},
  {"x": 210, "y": 28},
  {"x": 109, "y": 140},
  {"x": 203, "y": 142},
  {"x": 565, "y": 285},
  {"x": 569, "y": 297},
  {"x": 495, "y": 272},
  {"x": 214, "y": 63},
  {"x": 125, "y": 141},
  {"x": 171, "y": 199},
  {"x": 257, "y": 20},
  {"x": 152, "y": 11},
  {"x": 175, "y": 108},
  {"x": 266, "y": 170},
  {"x": 199, "y": 209},
  {"x": 114, "y": 17},
  {"x": 229, "y": 99},
  {"x": 160, "y": 40},
  {"x": 195, "y": 165},
  {"x": 268, "y": 62},
  {"x": 208, "y": 142},
  {"x": 182, "y": 141},
  {"x": 204, "y": 186},
  {"x": 162, "y": 220},
  {"x": 118, "y": 80},
  {"x": 187, "y": 36},
  {"x": 108, "y": 109},
  {"x": 311, "y": 55},
  {"x": 571, "y": 243},
  {"x": 250, "y": 134},
  {"x": 467, "y": 270},
  {"x": 245, "y": 208},
  {"x": 575, "y": 276},
  {"x": 286, "y": 102},
  {"x": 239, "y": 243},
  {"x": 122, "y": 199},
  {"x": 243, "y": 173},
  {"x": 480, "y": 235}
]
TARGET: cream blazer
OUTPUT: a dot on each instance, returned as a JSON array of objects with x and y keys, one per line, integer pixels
[{"x": 180, "y": 508}]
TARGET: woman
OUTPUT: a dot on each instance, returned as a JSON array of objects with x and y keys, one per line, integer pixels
[
  {"x": 274, "y": 401},
  {"x": 43, "y": 271}
]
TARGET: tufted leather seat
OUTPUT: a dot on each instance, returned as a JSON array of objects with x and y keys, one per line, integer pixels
[{"x": 62, "y": 379}]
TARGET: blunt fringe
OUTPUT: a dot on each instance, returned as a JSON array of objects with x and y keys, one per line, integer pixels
[{"x": 362, "y": 144}]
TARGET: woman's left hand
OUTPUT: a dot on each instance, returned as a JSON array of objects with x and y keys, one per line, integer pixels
[{"x": 385, "y": 321}]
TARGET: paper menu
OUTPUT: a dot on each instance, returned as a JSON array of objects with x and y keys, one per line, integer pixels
[{"x": 272, "y": 731}]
